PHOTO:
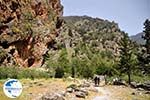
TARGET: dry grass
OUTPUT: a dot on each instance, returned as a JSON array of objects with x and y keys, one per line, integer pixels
[
  {"x": 32, "y": 89},
  {"x": 125, "y": 93}
]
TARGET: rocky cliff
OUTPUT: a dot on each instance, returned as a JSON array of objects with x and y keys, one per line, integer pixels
[
  {"x": 27, "y": 30},
  {"x": 98, "y": 34},
  {"x": 86, "y": 45}
]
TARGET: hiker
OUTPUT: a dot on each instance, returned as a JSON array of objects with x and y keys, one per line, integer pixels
[
  {"x": 98, "y": 80},
  {"x": 95, "y": 80}
]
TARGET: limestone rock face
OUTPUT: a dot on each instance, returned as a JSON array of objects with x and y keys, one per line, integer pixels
[{"x": 27, "y": 30}]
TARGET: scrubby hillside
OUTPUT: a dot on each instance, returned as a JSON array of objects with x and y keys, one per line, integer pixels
[
  {"x": 27, "y": 28},
  {"x": 84, "y": 46},
  {"x": 102, "y": 35}
]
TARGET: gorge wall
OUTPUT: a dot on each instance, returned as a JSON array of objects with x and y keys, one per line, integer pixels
[{"x": 27, "y": 30}]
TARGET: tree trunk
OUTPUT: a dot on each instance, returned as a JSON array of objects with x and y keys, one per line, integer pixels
[
  {"x": 73, "y": 72},
  {"x": 129, "y": 78}
]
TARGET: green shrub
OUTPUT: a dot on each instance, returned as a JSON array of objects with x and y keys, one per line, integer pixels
[
  {"x": 8, "y": 72},
  {"x": 17, "y": 73},
  {"x": 136, "y": 78},
  {"x": 59, "y": 72}
]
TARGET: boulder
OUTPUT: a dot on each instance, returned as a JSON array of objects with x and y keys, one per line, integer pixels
[
  {"x": 133, "y": 84},
  {"x": 137, "y": 93},
  {"x": 52, "y": 96},
  {"x": 93, "y": 89},
  {"x": 147, "y": 92},
  {"x": 70, "y": 90},
  {"x": 63, "y": 93},
  {"x": 84, "y": 91},
  {"x": 70, "y": 78},
  {"x": 140, "y": 89},
  {"x": 73, "y": 86},
  {"x": 85, "y": 84},
  {"x": 80, "y": 94},
  {"x": 145, "y": 85}
]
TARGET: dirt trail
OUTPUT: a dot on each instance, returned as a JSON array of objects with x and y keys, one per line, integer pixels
[{"x": 105, "y": 96}]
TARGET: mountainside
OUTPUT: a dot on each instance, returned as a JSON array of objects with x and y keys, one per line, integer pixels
[
  {"x": 85, "y": 46},
  {"x": 99, "y": 34},
  {"x": 27, "y": 28},
  {"x": 86, "y": 38},
  {"x": 138, "y": 38}
]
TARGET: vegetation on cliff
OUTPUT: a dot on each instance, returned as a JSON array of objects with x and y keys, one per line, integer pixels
[{"x": 27, "y": 27}]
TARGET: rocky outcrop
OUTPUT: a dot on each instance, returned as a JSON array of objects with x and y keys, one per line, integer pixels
[
  {"x": 27, "y": 30},
  {"x": 101, "y": 35}
]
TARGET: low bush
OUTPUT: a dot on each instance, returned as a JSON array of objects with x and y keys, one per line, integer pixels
[
  {"x": 59, "y": 72},
  {"x": 17, "y": 73}
]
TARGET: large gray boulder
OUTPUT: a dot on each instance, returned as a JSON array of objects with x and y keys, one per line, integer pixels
[
  {"x": 70, "y": 90},
  {"x": 52, "y": 96},
  {"x": 80, "y": 94},
  {"x": 145, "y": 85},
  {"x": 133, "y": 84},
  {"x": 85, "y": 84}
]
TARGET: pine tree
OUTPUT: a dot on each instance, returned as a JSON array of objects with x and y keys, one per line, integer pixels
[
  {"x": 126, "y": 63},
  {"x": 147, "y": 45},
  {"x": 147, "y": 35}
]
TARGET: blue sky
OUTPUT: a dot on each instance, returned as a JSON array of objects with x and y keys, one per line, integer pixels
[{"x": 129, "y": 14}]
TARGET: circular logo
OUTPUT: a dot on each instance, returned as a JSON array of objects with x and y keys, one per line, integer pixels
[{"x": 12, "y": 88}]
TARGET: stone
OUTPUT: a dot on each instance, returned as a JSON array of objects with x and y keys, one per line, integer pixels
[
  {"x": 140, "y": 89},
  {"x": 70, "y": 90},
  {"x": 145, "y": 85},
  {"x": 63, "y": 93},
  {"x": 73, "y": 86},
  {"x": 147, "y": 92},
  {"x": 84, "y": 91},
  {"x": 52, "y": 96},
  {"x": 40, "y": 84},
  {"x": 93, "y": 89},
  {"x": 133, "y": 84},
  {"x": 137, "y": 93},
  {"x": 80, "y": 94},
  {"x": 85, "y": 84},
  {"x": 69, "y": 78}
]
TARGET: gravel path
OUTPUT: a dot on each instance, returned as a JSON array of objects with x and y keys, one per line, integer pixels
[{"x": 105, "y": 93}]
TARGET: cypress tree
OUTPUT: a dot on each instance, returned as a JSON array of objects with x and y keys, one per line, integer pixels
[
  {"x": 126, "y": 61},
  {"x": 146, "y": 37}
]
